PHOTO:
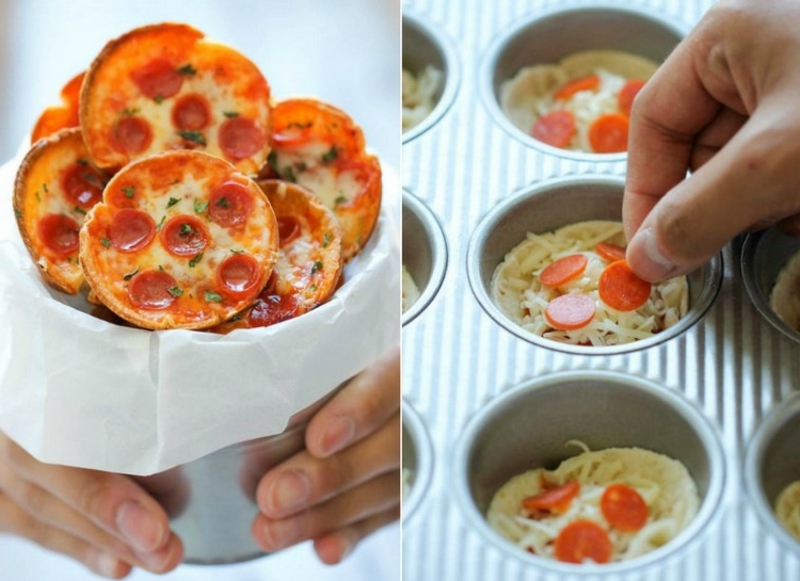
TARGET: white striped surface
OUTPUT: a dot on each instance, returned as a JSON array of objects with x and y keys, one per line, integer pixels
[{"x": 732, "y": 364}]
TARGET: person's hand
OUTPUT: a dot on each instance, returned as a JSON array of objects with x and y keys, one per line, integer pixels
[
  {"x": 346, "y": 484},
  {"x": 105, "y": 521},
  {"x": 725, "y": 105}
]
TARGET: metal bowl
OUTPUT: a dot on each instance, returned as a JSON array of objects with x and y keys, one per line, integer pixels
[
  {"x": 424, "y": 252},
  {"x": 772, "y": 462},
  {"x": 417, "y": 459},
  {"x": 764, "y": 254},
  {"x": 547, "y": 37},
  {"x": 527, "y": 426},
  {"x": 425, "y": 45},
  {"x": 545, "y": 207}
]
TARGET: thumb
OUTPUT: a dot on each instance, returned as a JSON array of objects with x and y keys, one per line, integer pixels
[{"x": 753, "y": 180}]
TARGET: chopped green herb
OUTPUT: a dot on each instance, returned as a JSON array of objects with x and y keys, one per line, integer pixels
[
  {"x": 130, "y": 275},
  {"x": 272, "y": 160},
  {"x": 300, "y": 125},
  {"x": 130, "y": 112},
  {"x": 172, "y": 201},
  {"x": 195, "y": 136},
  {"x": 186, "y": 229},
  {"x": 89, "y": 177},
  {"x": 301, "y": 167},
  {"x": 83, "y": 162},
  {"x": 187, "y": 70},
  {"x": 313, "y": 287},
  {"x": 288, "y": 173},
  {"x": 44, "y": 187},
  {"x": 222, "y": 202},
  {"x": 158, "y": 99},
  {"x": 175, "y": 291},
  {"x": 326, "y": 239},
  {"x": 17, "y": 213},
  {"x": 317, "y": 267},
  {"x": 160, "y": 224},
  {"x": 236, "y": 251},
  {"x": 80, "y": 210},
  {"x": 339, "y": 201},
  {"x": 213, "y": 297},
  {"x": 330, "y": 155},
  {"x": 193, "y": 262},
  {"x": 105, "y": 242},
  {"x": 236, "y": 317},
  {"x": 200, "y": 207},
  {"x": 38, "y": 198},
  {"x": 230, "y": 114},
  {"x": 161, "y": 268},
  {"x": 129, "y": 191}
]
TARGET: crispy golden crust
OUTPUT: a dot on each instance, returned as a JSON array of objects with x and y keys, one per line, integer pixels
[
  {"x": 309, "y": 263},
  {"x": 230, "y": 117},
  {"x": 40, "y": 193},
  {"x": 322, "y": 149},
  {"x": 186, "y": 200},
  {"x": 61, "y": 116}
]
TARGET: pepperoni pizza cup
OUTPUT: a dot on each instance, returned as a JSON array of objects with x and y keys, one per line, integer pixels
[
  {"x": 165, "y": 87},
  {"x": 61, "y": 116},
  {"x": 309, "y": 262},
  {"x": 56, "y": 186},
  {"x": 320, "y": 147},
  {"x": 180, "y": 240}
]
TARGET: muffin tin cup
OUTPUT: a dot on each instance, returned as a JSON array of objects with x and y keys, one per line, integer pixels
[
  {"x": 772, "y": 462},
  {"x": 423, "y": 44},
  {"x": 549, "y": 36},
  {"x": 764, "y": 254},
  {"x": 417, "y": 457},
  {"x": 545, "y": 207},
  {"x": 527, "y": 427},
  {"x": 424, "y": 252}
]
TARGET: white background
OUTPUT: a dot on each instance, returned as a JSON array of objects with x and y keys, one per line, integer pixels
[{"x": 345, "y": 52}]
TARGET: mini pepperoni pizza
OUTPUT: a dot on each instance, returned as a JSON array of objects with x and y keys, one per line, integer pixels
[
  {"x": 322, "y": 149},
  {"x": 62, "y": 116},
  {"x": 309, "y": 262},
  {"x": 181, "y": 240},
  {"x": 56, "y": 185},
  {"x": 164, "y": 87}
]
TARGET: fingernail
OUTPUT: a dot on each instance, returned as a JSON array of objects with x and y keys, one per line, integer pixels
[
  {"x": 290, "y": 491},
  {"x": 338, "y": 434},
  {"x": 646, "y": 258},
  {"x": 155, "y": 562},
  {"x": 139, "y": 526},
  {"x": 106, "y": 565}
]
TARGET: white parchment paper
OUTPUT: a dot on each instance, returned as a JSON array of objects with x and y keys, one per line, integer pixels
[{"x": 79, "y": 391}]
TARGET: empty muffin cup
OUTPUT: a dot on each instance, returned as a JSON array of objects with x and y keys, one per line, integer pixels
[
  {"x": 548, "y": 37},
  {"x": 425, "y": 46},
  {"x": 545, "y": 207},
  {"x": 424, "y": 253},
  {"x": 764, "y": 256},
  {"x": 772, "y": 463},
  {"x": 417, "y": 462},
  {"x": 528, "y": 426}
]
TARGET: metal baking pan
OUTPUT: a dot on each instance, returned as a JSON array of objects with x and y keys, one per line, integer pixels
[{"x": 717, "y": 393}]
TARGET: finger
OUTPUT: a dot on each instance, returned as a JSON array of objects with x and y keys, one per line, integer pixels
[
  {"x": 359, "y": 409},
  {"x": 333, "y": 547},
  {"x": 112, "y": 501},
  {"x": 752, "y": 179},
  {"x": 18, "y": 522},
  {"x": 304, "y": 481},
  {"x": 791, "y": 225},
  {"x": 715, "y": 135},
  {"x": 374, "y": 497}
]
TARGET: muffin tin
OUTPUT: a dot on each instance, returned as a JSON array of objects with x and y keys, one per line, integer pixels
[{"x": 722, "y": 381}]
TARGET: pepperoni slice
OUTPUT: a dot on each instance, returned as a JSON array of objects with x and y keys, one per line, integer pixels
[
  {"x": 239, "y": 138},
  {"x": 568, "y": 89},
  {"x": 184, "y": 235},
  {"x": 557, "y": 128},
  {"x": 131, "y": 135},
  {"x": 569, "y": 312},
  {"x": 153, "y": 290},
  {"x": 131, "y": 230},
  {"x": 191, "y": 113},
  {"x": 239, "y": 274},
  {"x": 624, "y": 508},
  {"x": 273, "y": 308},
  {"x": 563, "y": 270},
  {"x": 609, "y": 133},
  {"x": 83, "y": 185},
  {"x": 621, "y": 289},
  {"x": 628, "y": 93},
  {"x": 583, "y": 540},
  {"x": 230, "y": 204},
  {"x": 158, "y": 79},
  {"x": 288, "y": 229},
  {"x": 555, "y": 500},
  {"x": 610, "y": 252},
  {"x": 59, "y": 234}
]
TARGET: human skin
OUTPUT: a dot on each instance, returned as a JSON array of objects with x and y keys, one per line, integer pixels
[{"x": 723, "y": 105}]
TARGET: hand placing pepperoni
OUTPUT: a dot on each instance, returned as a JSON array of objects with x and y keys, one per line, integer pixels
[
  {"x": 624, "y": 508},
  {"x": 570, "y": 312},
  {"x": 563, "y": 270},
  {"x": 610, "y": 252},
  {"x": 621, "y": 289},
  {"x": 582, "y": 541},
  {"x": 609, "y": 133},
  {"x": 556, "y": 500},
  {"x": 557, "y": 128}
]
